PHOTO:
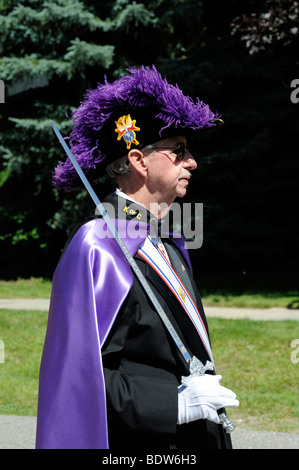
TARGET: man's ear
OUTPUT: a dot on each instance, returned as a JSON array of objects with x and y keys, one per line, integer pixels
[{"x": 137, "y": 161}]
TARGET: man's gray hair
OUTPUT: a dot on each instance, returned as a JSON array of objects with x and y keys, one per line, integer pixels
[{"x": 119, "y": 168}]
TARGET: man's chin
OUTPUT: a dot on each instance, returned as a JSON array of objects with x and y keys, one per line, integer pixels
[{"x": 182, "y": 192}]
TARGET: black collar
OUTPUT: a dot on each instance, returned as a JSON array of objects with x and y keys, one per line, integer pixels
[{"x": 119, "y": 207}]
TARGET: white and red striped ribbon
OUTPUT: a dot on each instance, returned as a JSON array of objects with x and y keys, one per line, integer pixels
[{"x": 152, "y": 255}]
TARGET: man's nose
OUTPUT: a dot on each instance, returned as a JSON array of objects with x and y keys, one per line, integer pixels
[{"x": 189, "y": 161}]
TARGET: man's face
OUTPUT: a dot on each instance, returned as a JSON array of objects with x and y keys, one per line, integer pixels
[{"x": 168, "y": 175}]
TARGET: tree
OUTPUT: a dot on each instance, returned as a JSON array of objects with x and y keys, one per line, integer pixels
[
  {"x": 53, "y": 51},
  {"x": 252, "y": 209},
  {"x": 278, "y": 23}
]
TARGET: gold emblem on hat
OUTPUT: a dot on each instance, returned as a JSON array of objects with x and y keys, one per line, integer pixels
[{"x": 126, "y": 128}]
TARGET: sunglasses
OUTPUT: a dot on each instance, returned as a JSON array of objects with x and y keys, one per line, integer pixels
[{"x": 179, "y": 150}]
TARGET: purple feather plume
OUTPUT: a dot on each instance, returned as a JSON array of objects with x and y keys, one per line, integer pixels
[{"x": 142, "y": 87}]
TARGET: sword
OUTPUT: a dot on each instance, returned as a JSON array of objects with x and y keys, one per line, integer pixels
[{"x": 195, "y": 366}]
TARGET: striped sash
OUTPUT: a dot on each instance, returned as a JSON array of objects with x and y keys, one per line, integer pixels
[{"x": 152, "y": 255}]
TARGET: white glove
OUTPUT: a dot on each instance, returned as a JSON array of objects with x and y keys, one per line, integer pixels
[{"x": 202, "y": 397}]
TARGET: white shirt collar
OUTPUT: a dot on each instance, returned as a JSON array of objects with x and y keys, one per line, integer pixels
[{"x": 122, "y": 194}]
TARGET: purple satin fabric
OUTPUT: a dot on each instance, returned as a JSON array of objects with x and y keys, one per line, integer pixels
[{"x": 90, "y": 284}]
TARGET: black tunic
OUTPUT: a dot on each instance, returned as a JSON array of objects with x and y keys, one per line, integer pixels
[{"x": 143, "y": 369}]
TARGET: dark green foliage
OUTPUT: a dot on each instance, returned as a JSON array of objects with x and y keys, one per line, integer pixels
[{"x": 52, "y": 51}]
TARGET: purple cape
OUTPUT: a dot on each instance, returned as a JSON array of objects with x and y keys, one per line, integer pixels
[{"x": 90, "y": 284}]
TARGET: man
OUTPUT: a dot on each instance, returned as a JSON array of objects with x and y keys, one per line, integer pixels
[{"x": 111, "y": 372}]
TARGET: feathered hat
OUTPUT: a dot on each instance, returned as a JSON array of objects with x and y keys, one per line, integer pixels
[{"x": 135, "y": 110}]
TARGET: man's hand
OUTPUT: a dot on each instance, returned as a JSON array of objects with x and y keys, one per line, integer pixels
[{"x": 202, "y": 397}]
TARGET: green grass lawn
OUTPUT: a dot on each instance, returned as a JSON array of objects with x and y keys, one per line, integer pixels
[
  {"x": 25, "y": 288},
  {"x": 23, "y": 334},
  {"x": 254, "y": 359}
]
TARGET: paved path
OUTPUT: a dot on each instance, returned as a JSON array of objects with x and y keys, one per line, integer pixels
[
  {"x": 274, "y": 314},
  {"x": 25, "y": 304},
  {"x": 18, "y": 432}
]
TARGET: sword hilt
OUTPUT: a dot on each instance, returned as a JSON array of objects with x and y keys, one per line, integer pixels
[{"x": 197, "y": 368}]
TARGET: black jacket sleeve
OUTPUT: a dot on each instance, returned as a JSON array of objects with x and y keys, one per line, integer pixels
[{"x": 141, "y": 370}]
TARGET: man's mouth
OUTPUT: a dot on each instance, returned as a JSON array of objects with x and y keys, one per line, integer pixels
[{"x": 186, "y": 178}]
